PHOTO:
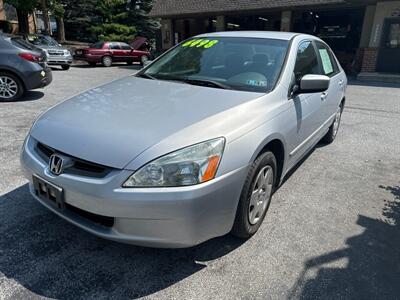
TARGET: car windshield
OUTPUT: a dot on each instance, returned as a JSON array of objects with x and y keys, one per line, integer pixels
[
  {"x": 246, "y": 64},
  {"x": 42, "y": 40}
]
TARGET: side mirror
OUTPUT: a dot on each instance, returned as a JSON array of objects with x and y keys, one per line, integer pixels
[{"x": 314, "y": 83}]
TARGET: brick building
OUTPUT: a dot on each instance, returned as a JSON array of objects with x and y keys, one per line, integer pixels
[
  {"x": 9, "y": 13},
  {"x": 365, "y": 34}
]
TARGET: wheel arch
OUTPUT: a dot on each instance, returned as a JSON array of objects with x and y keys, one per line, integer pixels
[{"x": 276, "y": 145}]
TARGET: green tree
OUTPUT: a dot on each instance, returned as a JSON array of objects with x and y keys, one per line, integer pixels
[
  {"x": 58, "y": 11},
  {"x": 24, "y": 8},
  {"x": 138, "y": 15}
]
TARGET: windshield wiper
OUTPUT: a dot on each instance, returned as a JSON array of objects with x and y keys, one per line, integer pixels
[
  {"x": 207, "y": 82},
  {"x": 148, "y": 76}
]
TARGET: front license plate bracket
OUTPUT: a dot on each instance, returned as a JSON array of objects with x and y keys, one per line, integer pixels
[{"x": 49, "y": 192}]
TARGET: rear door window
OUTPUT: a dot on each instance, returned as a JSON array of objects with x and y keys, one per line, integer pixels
[
  {"x": 328, "y": 63},
  {"x": 125, "y": 46},
  {"x": 115, "y": 46}
]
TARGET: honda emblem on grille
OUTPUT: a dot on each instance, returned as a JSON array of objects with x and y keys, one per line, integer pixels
[{"x": 56, "y": 164}]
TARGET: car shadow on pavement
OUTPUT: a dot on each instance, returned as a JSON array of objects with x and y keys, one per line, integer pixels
[
  {"x": 49, "y": 257},
  {"x": 31, "y": 96},
  {"x": 373, "y": 268}
]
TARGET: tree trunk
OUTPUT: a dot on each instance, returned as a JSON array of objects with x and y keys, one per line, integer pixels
[
  {"x": 46, "y": 18},
  {"x": 60, "y": 29},
  {"x": 23, "y": 21}
]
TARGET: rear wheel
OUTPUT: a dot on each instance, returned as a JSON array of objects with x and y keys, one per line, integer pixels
[
  {"x": 333, "y": 130},
  {"x": 106, "y": 61},
  {"x": 11, "y": 87},
  {"x": 256, "y": 196},
  {"x": 65, "y": 67},
  {"x": 143, "y": 60}
]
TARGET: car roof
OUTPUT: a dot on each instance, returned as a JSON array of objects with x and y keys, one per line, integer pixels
[{"x": 255, "y": 34}]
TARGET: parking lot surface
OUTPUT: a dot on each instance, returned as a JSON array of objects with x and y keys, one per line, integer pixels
[{"x": 332, "y": 231}]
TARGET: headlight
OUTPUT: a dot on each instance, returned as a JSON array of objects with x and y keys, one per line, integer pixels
[
  {"x": 67, "y": 53},
  {"x": 188, "y": 166}
]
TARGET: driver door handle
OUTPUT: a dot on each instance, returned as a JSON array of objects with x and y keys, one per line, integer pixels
[{"x": 324, "y": 95}]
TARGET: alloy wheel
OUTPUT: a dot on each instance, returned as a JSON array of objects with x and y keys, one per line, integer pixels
[
  {"x": 336, "y": 123},
  {"x": 261, "y": 194},
  {"x": 8, "y": 87},
  {"x": 144, "y": 59}
]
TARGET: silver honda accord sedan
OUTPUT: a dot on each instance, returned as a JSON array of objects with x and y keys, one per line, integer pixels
[{"x": 192, "y": 146}]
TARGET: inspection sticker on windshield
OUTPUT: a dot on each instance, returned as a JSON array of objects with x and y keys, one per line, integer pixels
[
  {"x": 256, "y": 82},
  {"x": 326, "y": 61},
  {"x": 200, "y": 43}
]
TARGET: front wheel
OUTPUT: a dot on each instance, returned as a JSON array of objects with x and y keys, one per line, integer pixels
[
  {"x": 106, "y": 61},
  {"x": 333, "y": 130},
  {"x": 256, "y": 196},
  {"x": 11, "y": 87}
]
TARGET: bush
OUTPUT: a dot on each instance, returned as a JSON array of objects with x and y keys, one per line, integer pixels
[{"x": 114, "y": 32}]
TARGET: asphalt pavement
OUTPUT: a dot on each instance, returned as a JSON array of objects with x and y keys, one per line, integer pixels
[{"x": 332, "y": 231}]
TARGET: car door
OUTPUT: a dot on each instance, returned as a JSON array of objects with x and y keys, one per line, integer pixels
[
  {"x": 307, "y": 105},
  {"x": 127, "y": 52},
  {"x": 333, "y": 96},
  {"x": 116, "y": 51}
]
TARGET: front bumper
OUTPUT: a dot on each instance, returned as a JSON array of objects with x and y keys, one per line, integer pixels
[
  {"x": 156, "y": 217},
  {"x": 38, "y": 78},
  {"x": 59, "y": 60}
]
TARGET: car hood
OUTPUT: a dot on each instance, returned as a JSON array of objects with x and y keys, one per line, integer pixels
[{"x": 114, "y": 123}]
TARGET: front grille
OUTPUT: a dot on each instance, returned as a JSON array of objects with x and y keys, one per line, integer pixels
[
  {"x": 97, "y": 219},
  {"x": 80, "y": 167},
  {"x": 55, "y": 53}
]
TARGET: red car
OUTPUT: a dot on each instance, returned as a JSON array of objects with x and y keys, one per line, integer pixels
[{"x": 108, "y": 52}]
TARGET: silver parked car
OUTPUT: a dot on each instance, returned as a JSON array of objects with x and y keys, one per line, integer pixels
[
  {"x": 194, "y": 145},
  {"x": 56, "y": 54}
]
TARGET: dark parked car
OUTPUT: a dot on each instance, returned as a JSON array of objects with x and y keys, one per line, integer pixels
[
  {"x": 23, "y": 67},
  {"x": 108, "y": 52}
]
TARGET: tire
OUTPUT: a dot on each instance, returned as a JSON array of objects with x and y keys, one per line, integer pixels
[
  {"x": 333, "y": 130},
  {"x": 92, "y": 63},
  {"x": 106, "y": 61},
  {"x": 11, "y": 87},
  {"x": 248, "y": 217},
  {"x": 65, "y": 67},
  {"x": 143, "y": 60}
]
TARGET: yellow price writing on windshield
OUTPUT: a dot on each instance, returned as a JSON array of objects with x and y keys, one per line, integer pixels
[{"x": 200, "y": 43}]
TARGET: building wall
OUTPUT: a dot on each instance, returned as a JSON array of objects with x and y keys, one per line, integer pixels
[
  {"x": 2, "y": 12},
  {"x": 368, "y": 50},
  {"x": 383, "y": 10}
]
